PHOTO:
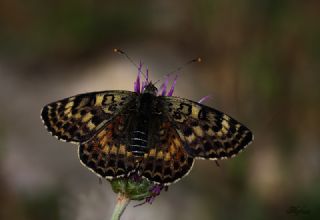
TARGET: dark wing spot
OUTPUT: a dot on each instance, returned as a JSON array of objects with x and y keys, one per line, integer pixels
[
  {"x": 205, "y": 127},
  {"x": 187, "y": 131},
  {"x": 95, "y": 120},
  {"x": 83, "y": 112},
  {"x": 215, "y": 128},
  {"x": 207, "y": 146}
]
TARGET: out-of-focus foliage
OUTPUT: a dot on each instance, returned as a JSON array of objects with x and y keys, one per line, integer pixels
[{"x": 261, "y": 65}]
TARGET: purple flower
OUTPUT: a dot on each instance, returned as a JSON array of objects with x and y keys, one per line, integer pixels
[{"x": 140, "y": 85}]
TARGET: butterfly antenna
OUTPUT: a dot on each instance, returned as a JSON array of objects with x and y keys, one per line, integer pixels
[
  {"x": 156, "y": 82},
  {"x": 196, "y": 60},
  {"x": 119, "y": 51}
]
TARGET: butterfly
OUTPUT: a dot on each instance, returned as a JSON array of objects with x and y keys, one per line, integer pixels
[{"x": 157, "y": 137}]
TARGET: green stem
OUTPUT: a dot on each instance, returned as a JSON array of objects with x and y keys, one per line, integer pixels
[{"x": 122, "y": 202}]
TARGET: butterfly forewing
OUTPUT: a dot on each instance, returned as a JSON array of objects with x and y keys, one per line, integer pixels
[
  {"x": 207, "y": 133},
  {"x": 77, "y": 118}
]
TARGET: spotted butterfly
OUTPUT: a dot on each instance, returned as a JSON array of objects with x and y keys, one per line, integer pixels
[{"x": 157, "y": 137}]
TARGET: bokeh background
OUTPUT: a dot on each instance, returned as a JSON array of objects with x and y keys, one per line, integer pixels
[{"x": 261, "y": 63}]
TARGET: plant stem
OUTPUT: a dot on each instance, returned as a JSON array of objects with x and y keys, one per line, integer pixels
[{"x": 122, "y": 202}]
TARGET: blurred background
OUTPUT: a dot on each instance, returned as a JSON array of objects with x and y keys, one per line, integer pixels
[{"x": 260, "y": 65}]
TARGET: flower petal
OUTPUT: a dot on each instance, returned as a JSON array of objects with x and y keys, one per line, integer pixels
[
  {"x": 204, "y": 99},
  {"x": 163, "y": 87},
  {"x": 172, "y": 86},
  {"x": 137, "y": 82},
  {"x": 146, "y": 82}
]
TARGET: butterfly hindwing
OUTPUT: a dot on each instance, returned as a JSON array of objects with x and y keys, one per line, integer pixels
[
  {"x": 106, "y": 153},
  {"x": 167, "y": 160},
  {"x": 206, "y": 132},
  {"x": 77, "y": 118}
]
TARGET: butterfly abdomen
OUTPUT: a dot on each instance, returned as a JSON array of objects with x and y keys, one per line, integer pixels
[{"x": 138, "y": 143}]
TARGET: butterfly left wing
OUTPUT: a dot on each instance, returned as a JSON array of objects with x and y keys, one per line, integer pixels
[
  {"x": 77, "y": 118},
  {"x": 106, "y": 153},
  {"x": 206, "y": 132}
]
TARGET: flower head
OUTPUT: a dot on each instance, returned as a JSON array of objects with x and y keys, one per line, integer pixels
[
  {"x": 135, "y": 187},
  {"x": 140, "y": 85}
]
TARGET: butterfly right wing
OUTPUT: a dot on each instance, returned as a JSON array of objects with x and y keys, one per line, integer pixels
[
  {"x": 78, "y": 118},
  {"x": 206, "y": 132}
]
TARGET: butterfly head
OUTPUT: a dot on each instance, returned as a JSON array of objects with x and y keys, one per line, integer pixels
[
  {"x": 151, "y": 89},
  {"x": 146, "y": 86}
]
